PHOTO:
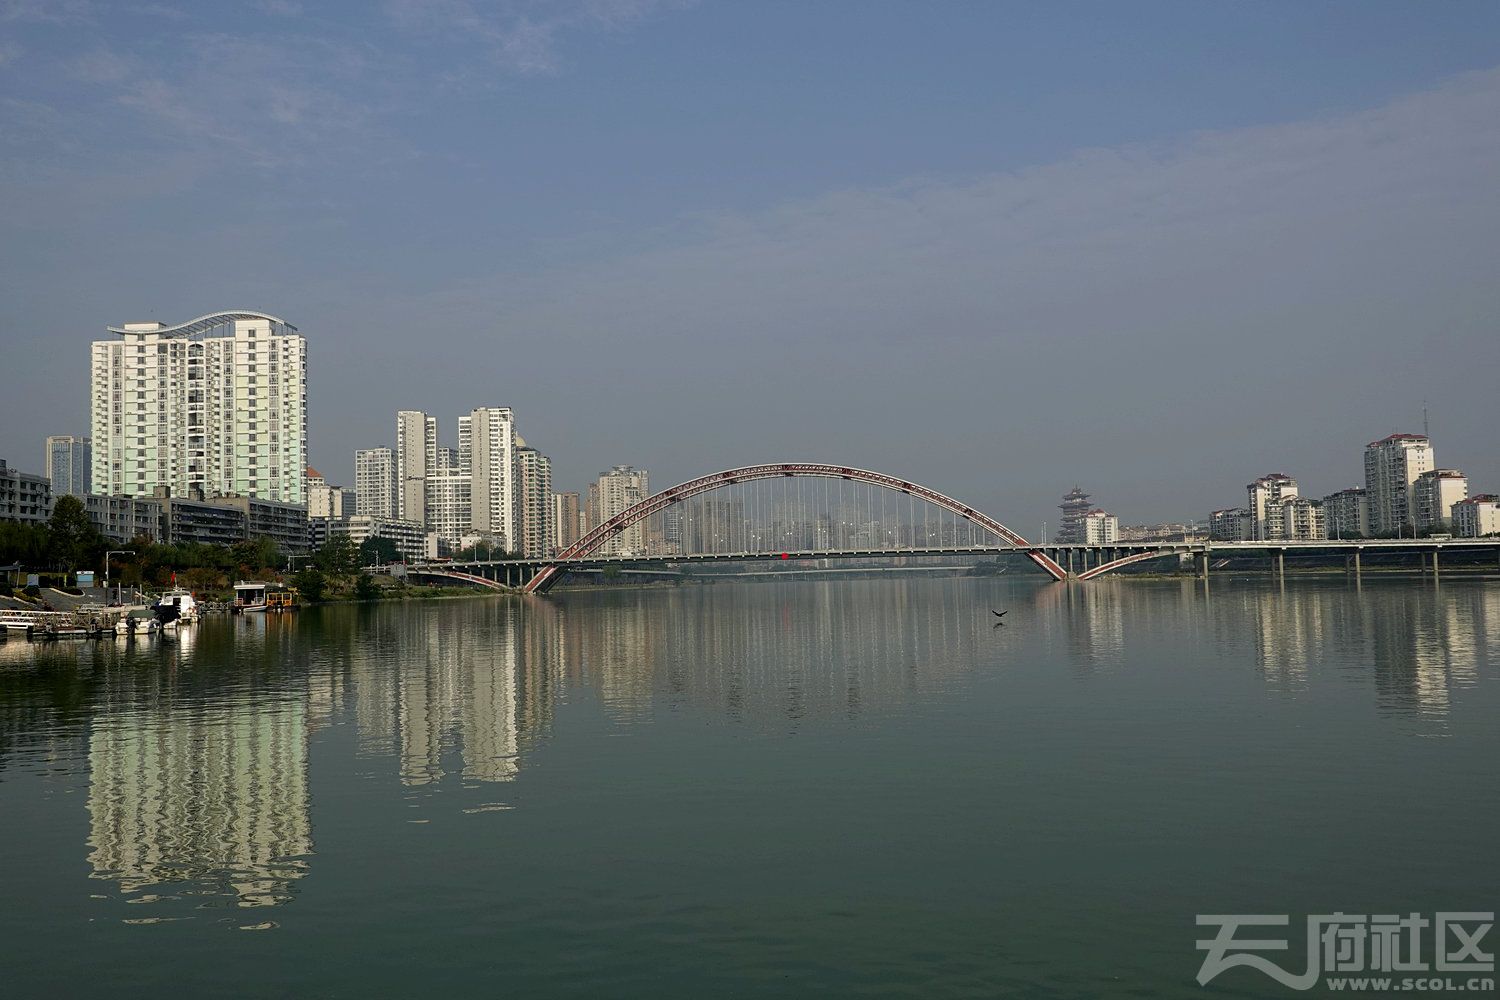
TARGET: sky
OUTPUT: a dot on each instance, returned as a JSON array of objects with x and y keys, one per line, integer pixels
[{"x": 1156, "y": 249}]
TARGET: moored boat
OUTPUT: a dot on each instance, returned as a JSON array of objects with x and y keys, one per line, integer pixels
[
  {"x": 137, "y": 621},
  {"x": 254, "y": 596},
  {"x": 176, "y": 607},
  {"x": 250, "y": 596}
]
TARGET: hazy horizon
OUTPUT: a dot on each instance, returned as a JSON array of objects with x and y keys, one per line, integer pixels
[{"x": 1157, "y": 251}]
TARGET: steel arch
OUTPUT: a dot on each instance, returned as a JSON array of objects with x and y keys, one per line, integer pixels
[{"x": 638, "y": 512}]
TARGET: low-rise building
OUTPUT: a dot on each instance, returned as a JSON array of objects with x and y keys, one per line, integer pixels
[
  {"x": 1169, "y": 532},
  {"x": 193, "y": 520},
  {"x": 24, "y": 496},
  {"x": 409, "y": 537},
  {"x": 1477, "y": 516},
  {"x": 124, "y": 519},
  {"x": 1346, "y": 513},
  {"x": 1233, "y": 524},
  {"x": 283, "y": 523},
  {"x": 196, "y": 519},
  {"x": 1434, "y": 493}
]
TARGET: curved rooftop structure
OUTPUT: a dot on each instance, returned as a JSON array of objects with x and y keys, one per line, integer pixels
[{"x": 201, "y": 325}]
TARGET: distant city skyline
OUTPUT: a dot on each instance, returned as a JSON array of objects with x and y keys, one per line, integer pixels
[{"x": 994, "y": 252}]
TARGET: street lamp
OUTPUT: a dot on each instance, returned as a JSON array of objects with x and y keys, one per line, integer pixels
[{"x": 113, "y": 552}]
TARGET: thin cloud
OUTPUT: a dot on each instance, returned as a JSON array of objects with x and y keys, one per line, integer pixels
[
  {"x": 1284, "y": 271},
  {"x": 520, "y": 36},
  {"x": 271, "y": 100},
  {"x": 47, "y": 11},
  {"x": 281, "y": 8}
]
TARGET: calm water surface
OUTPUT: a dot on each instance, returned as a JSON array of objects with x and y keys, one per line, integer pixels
[{"x": 850, "y": 788}]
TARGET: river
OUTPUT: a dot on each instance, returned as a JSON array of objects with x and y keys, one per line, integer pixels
[{"x": 855, "y": 788}]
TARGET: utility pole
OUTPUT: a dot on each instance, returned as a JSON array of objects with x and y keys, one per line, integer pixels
[{"x": 113, "y": 552}]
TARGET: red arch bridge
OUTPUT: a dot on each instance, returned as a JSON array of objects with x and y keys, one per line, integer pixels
[{"x": 795, "y": 511}]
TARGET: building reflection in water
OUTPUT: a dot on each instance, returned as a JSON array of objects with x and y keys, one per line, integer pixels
[
  {"x": 197, "y": 747},
  {"x": 1418, "y": 644},
  {"x": 453, "y": 691},
  {"x": 768, "y": 653},
  {"x": 194, "y": 784}
]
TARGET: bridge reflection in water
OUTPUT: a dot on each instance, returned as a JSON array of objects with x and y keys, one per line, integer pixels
[{"x": 198, "y": 752}]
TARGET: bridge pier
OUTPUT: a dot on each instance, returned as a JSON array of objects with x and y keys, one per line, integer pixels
[{"x": 1281, "y": 564}]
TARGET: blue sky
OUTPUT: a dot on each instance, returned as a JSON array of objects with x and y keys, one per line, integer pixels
[{"x": 1156, "y": 248}]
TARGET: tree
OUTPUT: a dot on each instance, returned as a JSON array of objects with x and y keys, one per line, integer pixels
[
  {"x": 255, "y": 555},
  {"x": 338, "y": 556},
  {"x": 483, "y": 550},
  {"x": 309, "y": 583},
  {"x": 365, "y": 588},
  {"x": 375, "y": 551},
  {"x": 23, "y": 543},
  {"x": 71, "y": 538}
]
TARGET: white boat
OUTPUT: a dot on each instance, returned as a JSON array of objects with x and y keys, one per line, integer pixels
[
  {"x": 253, "y": 596},
  {"x": 137, "y": 621},
  {"x": 176, "y": 606},
  {"x": 250, "y": 595}
]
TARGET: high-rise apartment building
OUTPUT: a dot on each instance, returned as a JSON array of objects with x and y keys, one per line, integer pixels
[
  {"x": 449, "y": 506},
  {"x": 1477, "y": 516},
  {"x": 69, "y": 464},
  {"x": 492, "y": 465},
  {"x": 466, "y": 443},
  {"x": 217, "y": 404},
  {"x": 1300, "y": 519},
  {"x": 416, "y": 459},
  {"x": 1392, "y": 466},
  {"x": 1099, "y": 527},
  {"x": 1263, "y": 501},
  {"x": 324, "y": 500},
  {"x": 1347, "y": 513},
  {"x": 375, "y": 483},
  {"x": 1433, "y": 495},
  {"x": 612, "y": 493},
  {"x": 534, "y": 497},
  {"x": 567, "y": 523}
]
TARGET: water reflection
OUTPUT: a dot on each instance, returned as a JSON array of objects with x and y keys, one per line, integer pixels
[
  {"x": 197, "y": 749},
  {"x": 212, "y": 795},
  {"x": 771, "y": 655},
  {"x": 1417, "y": 644}
]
